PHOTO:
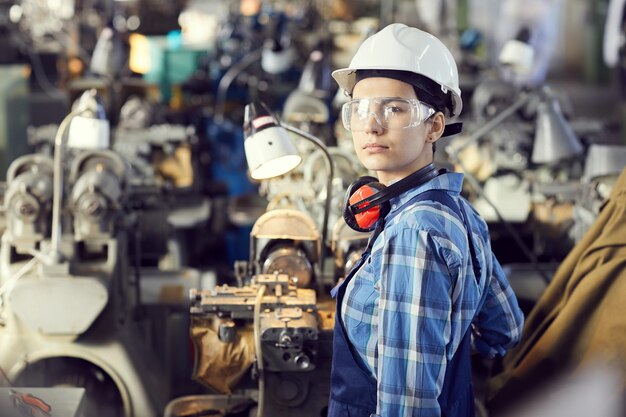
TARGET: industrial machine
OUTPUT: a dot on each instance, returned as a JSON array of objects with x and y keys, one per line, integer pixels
[
  {"x": 78, "y": 304},
  {"x": 166, "y": 189},
  {"x": 286, "y": 241},
  {"x": 347, "y": 246},
  {"x": 68, "y": 317},
  {"x": 28, "y": 202},
  {"x": 269, "y": 339}
]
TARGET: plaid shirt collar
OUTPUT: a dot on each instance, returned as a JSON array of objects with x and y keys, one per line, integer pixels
[{"x": 447, "y": 181}]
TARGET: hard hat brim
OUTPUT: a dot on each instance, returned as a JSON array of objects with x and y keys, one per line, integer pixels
[{"x": 346, "y": 78}]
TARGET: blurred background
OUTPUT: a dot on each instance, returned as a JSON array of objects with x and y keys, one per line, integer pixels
[{"x": 148, "y": 269}]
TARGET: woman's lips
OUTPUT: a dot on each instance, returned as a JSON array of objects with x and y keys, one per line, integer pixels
[{"x": 374, "y": 148}]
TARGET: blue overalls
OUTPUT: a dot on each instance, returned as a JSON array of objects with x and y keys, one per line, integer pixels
[{"x": 352, "y": 388}]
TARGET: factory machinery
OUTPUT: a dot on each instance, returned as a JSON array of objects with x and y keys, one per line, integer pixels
[
  {"x": 96, "y": 287},
  {"x": 97, "y": 245},
  {"x": 286, "y": 327},
  {"x": 273, "y": 310},
  {"x": 80, "y": 303},
  {"x": 76, "y": 310},
  {"x": 261, "y": 344},
  {"x": 67, "y": 316},
  {"x": 269, "y": 337}
]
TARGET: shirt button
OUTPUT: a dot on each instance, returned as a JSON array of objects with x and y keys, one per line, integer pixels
[{"x": 393, "y": 207}]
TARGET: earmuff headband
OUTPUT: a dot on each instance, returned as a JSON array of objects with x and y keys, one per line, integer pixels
[{"x": 397, "y": 188}]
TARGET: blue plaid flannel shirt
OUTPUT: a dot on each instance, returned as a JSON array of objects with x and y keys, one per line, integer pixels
[{"x": 410, "y": 304}]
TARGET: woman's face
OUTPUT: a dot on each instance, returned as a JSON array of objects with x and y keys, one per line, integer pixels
[{"x": 393, "y": 154}]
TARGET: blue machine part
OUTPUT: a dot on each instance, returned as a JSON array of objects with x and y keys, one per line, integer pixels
[
  {"x": 228, "y": 165},
  {"x": 228, "y": 162}
]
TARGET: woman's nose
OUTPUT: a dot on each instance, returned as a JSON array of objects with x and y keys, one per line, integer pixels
[{"x": 373, "y": 124}]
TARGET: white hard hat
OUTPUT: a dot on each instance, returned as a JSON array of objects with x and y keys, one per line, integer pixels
[{"x": 403, "y": 48}]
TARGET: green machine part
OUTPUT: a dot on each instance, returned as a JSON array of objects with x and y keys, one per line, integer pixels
[
  {"x": 462, "y": 15},
  {"x": 14, "y": 114},
  {"x": 595, "y": 71}
]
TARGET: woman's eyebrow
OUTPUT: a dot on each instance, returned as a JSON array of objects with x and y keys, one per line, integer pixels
[
  {"x": 396, "y": 98},
  {"x": 382, "y": 98}
]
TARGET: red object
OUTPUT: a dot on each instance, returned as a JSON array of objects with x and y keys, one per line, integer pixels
[
  {"x": 369, "y": 217},
  {"x": 24, "y": 400}
]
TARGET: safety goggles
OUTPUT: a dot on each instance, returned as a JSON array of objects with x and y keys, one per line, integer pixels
[{"x": 390, "y": 112}]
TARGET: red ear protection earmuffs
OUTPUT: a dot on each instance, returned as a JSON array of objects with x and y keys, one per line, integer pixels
[
  {"x": 367, "y": 200},
  {"x": 359, "y": 213}
]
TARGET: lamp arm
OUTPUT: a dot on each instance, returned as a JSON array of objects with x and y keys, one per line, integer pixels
[
  {"x": 329, "y": 185},
  {"x": 57, "y": 193},
  {"x": 229, "y": 77},
  {"x": 493, "y": 123}
]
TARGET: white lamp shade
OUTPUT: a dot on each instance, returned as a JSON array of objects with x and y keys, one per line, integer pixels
[
  {"x": 604, "y": 160},
  {"x": 89, "y": 129},
  {"x": 88, "y": 133},
  {"x": 518, "y": 55},
  {"x": 270, "y": 153},
  {"x": 554, "y": 138},
  {"x": 276, "y": 62}
]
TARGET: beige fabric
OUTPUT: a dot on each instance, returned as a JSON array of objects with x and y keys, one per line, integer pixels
[
  {"x": 580, "y": 318},
  {"x": 178, "y": 167},
  {"x": 220, "y": 365}
]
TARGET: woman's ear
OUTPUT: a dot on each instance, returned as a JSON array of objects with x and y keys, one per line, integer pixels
[{"x": 436, "y": 127}]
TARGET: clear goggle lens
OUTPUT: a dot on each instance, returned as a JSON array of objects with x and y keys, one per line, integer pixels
[{"x": 389, "y": 112}]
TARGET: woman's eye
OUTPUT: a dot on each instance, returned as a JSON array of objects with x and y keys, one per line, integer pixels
[{"x": 360, "y": 113}]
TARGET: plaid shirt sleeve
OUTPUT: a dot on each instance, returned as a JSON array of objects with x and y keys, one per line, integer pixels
[
  {"x": 418, "y": 298},
  {"x": 498, "y": 325}
]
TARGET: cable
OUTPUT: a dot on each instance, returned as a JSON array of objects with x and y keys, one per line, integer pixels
[
  {"x": 257, "y": 346},
  {"x": 20, "y": 272},
  {"x": 36, "y": 65},
  {"x": 5, "y": 377},
  {"x": 42, "y": 78},
  {"x": 40, "y": 74},
  {"x": 229, "y": 77}
]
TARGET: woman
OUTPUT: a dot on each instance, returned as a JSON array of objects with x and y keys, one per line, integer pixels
[{"x": 423, "y": 290}]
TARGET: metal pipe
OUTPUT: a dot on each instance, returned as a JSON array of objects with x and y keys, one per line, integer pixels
[
  {"x": 493, "y": 123},
  {"x": 259, "y": 351},
  {"x": 57, "y": 191}
]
